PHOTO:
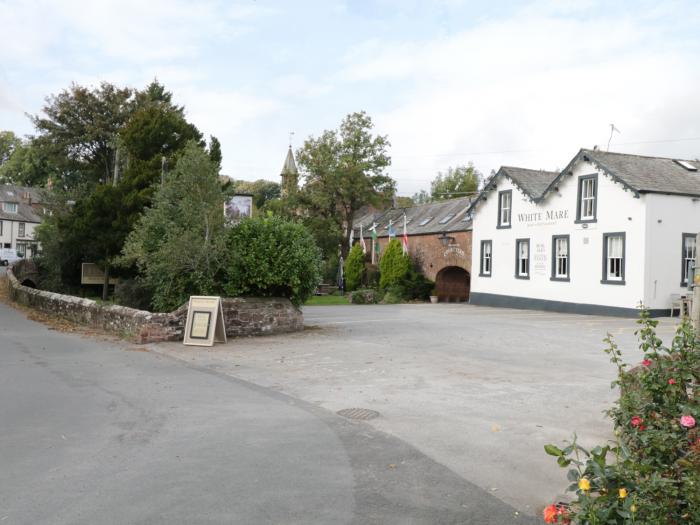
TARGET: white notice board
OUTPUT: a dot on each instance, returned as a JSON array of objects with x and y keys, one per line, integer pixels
[{"x": 205, "y": 321}]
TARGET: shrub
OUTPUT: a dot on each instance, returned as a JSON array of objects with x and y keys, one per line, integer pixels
[
  {"x": 364, "y": 297},
  {"x": 651, "y": 473},
  {"x": 394, "y": 265},
  {"x": 133, "y": 293},
  {"x": 371, "y": 279},
  {"x": 270, "y": 256},
  {"x": 354, "y": 268},
  {"x": 393, "y": 295}
]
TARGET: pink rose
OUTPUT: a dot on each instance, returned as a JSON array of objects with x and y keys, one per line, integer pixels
[
  {"x": 646, "y": 362},
  {"x": 636, "y": 421},
  {"x": 687, "y": 421},
  {"x": 671, "y": 381}
]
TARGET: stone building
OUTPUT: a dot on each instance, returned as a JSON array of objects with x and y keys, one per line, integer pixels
[
  {"x": 289, "y": 174},
  {"x": 439, "y": 239}
]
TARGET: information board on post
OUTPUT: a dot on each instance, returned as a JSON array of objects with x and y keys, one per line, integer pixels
[
  {"x": 205, "y": 321},
  {"x": 90, "y": 273}
]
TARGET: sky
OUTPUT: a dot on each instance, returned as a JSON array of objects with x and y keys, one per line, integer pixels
[{"x": 448, "y": 81}]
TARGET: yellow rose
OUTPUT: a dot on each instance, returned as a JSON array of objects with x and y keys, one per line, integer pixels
[
  {"x": 584, "y": 484},
  {"x": 633, "y": 508},
  {"x": 623, "y": 493}
]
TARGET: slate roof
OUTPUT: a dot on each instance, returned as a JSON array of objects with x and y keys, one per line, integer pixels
[
  {"x": 532, "y": 182},
  {"x": 290, "y": 167},
  {"x": 18, "y": 194},
  {"x": 643, "y": 174},
  {"x": 454, "y": 210}
]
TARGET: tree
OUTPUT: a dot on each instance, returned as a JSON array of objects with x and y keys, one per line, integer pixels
[
  {"x": 404, "y": 202},
  {"x": 422, "y": 197},
  {"x": 354, "y": 268},
  {"x": 215, "y": 151},
  {"x": 343, "y": 171},
  {"x": 394, "y": 266},
  {"x": 262, "y": 190},
  {"x": 26, "y": 165},
  {"x": 78, "y": 131},
  {"x": 9, "y": 142},
  {"x": 456, "y": 182},
  {"x": 179, "y": 244}
]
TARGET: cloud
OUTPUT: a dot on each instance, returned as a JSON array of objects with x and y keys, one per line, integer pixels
[{"x": 531, "y": 89}]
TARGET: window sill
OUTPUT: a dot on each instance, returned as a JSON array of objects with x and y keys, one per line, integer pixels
[
  {"x": 586, "y": 221},
  {"x": 525, "y": 277},
  {"x": 503, "y": 226},
  {"x": 484, "y": 275},
  {"x": 560, "y": 279},
  {"x": 605, "y": 281}
]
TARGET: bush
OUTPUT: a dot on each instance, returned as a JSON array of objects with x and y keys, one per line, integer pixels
[
  {"x": 133, "y": 293},
  {"x": 364, "y": 297},
  {"x": 394, "y": 265},
  {"x": 270, "y": 256},
  {"x": 651, "y": 473},
  {"x": 393, "y": 295},
  {"x": 354, "y": 268},
  {"x": 371, "y": 279}
]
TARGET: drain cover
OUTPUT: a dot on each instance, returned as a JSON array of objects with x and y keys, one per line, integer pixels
[{"x": 358, "y": 413}]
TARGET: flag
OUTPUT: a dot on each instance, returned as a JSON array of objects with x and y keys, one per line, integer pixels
[
  {"x": 392, "y": 232},
  {"x": 404, "y": 240},
  {"x": 362, "y": 242},
  {"x": 352, "y": 237},
  {"x": 375, "y": 242},
  {"x": 341, "y": 277}
]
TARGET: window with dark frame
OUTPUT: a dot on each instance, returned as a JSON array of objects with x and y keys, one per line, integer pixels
[
  {"x": 522, "y": 258},
  {"x": 613, "y": 258},
  {"x": 560, "y": 258},
  {"x": 505, "y": 206},
  {"x": 586, "y": 207},
  {"x": 20, "y": 229},
  {"x": 688, "y": 257},
  {"x": 485, "y": 259}
]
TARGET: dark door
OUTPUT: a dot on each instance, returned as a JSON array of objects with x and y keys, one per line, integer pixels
[{"x": 452, "y": 284}]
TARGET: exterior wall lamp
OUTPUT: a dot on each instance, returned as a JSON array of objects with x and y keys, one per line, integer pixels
[{"x": 446, "y": 240}]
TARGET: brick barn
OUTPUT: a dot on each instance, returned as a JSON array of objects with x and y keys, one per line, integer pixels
[{"x": 439, "y": 239}]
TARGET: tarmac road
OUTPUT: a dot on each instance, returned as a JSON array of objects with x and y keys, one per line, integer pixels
[{"x": 101, "y": 432}]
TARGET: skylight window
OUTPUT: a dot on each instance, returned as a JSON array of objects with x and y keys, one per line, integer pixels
[
  {"x": 687, "y": 165},
  {"x": 446, "y": 218},
  {"x": 425, "y": 221}
]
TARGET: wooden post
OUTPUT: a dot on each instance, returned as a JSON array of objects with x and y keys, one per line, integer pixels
[{"x": 694, "y": 278}]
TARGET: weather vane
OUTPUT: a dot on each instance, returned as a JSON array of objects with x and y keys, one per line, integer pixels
[{"x": 291, "y": 134}]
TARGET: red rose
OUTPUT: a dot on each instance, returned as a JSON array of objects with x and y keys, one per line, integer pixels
[
  {"x": 646, "y": 362},
  {"x": 671, "y": 381},
  {"x": 636, "y": 421},
  {"x": 552, "y": 514}
]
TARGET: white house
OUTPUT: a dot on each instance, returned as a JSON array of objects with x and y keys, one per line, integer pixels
[
  {"x": 607, "y": 233},
  {"x": 20, "y": 213}
]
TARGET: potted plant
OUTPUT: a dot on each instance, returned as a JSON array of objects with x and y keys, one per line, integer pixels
[{"x": 433, "y": 296}]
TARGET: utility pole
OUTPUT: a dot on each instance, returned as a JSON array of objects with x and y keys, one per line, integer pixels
[
  {"x": 115, "y": 179},
  {"x": 695, "y": 314}
]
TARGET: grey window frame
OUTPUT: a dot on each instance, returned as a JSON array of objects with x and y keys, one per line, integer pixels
[
  {"x": 13, "y": 204},
  {"x": 2, "y": 225},
  {"x": 684, "y": 277},
  {"x": 623, "y": 262},
  {"x": 517, "y": 258},
  {"x": 554, "y": 276},
  {"x": 500, "y": 225},
  {"x": 579, "y": 196},
  {"x": 482, "y": 259},
  {"x": 21, "y": 229}
]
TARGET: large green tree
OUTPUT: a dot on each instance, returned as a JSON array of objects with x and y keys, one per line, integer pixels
[
  {"x": 23, "y": 163},
  {"x": 262, "y": 190},
  {"x": 455, "y": 182},
  {"x": 344, "y": 170}
]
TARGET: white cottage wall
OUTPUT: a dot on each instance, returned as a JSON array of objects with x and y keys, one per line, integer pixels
[
  {"x": 668, "y": 217},
  {"x": 617, "y": 211}
]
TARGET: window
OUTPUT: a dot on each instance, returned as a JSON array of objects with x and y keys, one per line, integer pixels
[
  {"x": 522, "y": 258},
  {"x": 687, "y": 165},
  {"x": 505, "y": 200},
  {"x": 485, "y": 270},
  {"x": 425, "y": 221},
  {"x": 1, "y": 224},
  {"x": 587, "y": 198},
  {"x": 613, "y": 258},
  {"x": 560, "y": 258},
  {"x": 688, "y": 257},
  {"x": 21, "y": 249},
  {"x": 446, "y": 219},
  {"x": 20, "y": 229},
  {"x": 9, "y": 207}
]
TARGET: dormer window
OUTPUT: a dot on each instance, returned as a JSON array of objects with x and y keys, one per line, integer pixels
[
  {"x": 587, "y": 204},
  {"x": 9, "y": 207},
  {"x": 505, "y": 202}
]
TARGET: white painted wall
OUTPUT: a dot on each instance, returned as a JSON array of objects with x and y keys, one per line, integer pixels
[
  {"x": 10, "y": 230},
  {"x": 617, "y": 211},
  {"x": 668, "y": 217}
]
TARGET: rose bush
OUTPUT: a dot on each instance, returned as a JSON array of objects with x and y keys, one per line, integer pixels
[{"x": 650, "y": 474}]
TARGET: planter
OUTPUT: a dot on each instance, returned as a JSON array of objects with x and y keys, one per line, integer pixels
[{"x": 434, "y": 299}]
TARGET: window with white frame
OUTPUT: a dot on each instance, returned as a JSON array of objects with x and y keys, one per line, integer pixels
[
  {"x": 9, "y": 207},
  {"x": 614, "y": 258},
  {"x": 485, "y": 258},
  {"x": 587, "y": 196},
  {"x": 688, "y": 257},
  {"x": 20, "y": 229},
  {"x": 522, "y": 258},
  {"x": 505, "y": 202},
  {"x": 560, "y": 253}
]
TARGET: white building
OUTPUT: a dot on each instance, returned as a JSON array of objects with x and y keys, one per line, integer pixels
[
  {"x": 20, "y": 210},
  {"x": 609, "y": 232}
]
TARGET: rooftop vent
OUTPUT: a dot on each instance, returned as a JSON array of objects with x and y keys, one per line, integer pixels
[{"x": 687, "y": 165}]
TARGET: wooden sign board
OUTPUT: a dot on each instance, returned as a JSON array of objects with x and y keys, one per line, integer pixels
[
  {"x": 205, "y": 321},
  {"x": 90, "y": 273}
]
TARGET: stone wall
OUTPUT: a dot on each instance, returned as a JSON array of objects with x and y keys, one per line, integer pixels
[{"x": 242, "y": 316}]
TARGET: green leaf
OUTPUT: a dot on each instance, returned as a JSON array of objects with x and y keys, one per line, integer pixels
[{"x": 553, "y": 450}]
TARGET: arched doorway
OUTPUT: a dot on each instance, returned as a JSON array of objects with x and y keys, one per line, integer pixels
[{"x": 452, "y": 284}]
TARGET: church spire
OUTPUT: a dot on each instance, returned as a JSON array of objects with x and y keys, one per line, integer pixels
[{"x": 290, "y": 175}]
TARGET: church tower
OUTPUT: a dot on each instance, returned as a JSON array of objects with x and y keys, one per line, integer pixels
[{"x": 290, "y": 175}]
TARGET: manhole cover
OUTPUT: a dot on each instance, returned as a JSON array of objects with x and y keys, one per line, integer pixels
[{"x": 358, "y": 413}]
